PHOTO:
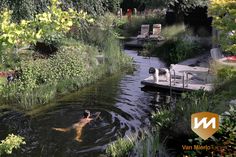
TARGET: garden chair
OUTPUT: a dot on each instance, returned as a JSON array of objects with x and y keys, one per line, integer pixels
[
  {"x": 216, "y": 54},
  {"x": 156, "y": 32},
  {"x": 144, "y": 32}
]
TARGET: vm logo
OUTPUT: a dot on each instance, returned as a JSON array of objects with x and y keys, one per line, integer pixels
[{"x": 205, "y": 124}]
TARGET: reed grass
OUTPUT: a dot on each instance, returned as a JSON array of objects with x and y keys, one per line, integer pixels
[
  {"x": 121, "y": 147},
  {"x": 174, "y": 31}
]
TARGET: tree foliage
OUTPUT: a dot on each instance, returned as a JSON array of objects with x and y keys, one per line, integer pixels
[
  {"x": 224, "y": 19},
  {"x": 49, "y": 26},
  {"x": 22, "y": 9},
  {"x": 27, "y": 9},
  {"x": 180, "y": 6},
  {"x": 98, "y": 7}
]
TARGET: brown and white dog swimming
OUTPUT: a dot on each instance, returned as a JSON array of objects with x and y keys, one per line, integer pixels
[{"x": 156, "y": 73}]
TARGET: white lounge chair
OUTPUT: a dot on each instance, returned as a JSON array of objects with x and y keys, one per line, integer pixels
[
  {"x": 156, "y": 32},
  {"x": 144, "y": 32}
]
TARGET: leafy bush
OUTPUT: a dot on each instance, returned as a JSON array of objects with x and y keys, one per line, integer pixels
[
  {"x": 11, "y": 142},
  {"x": 180, "y": 116},
  {"x": 223, "y": 14},
  {"x": 49, "y": 26},
  {"x": 40, "y": 77},
  {"x": 174, "y": 51},
  {"x": 226, "y": 73},
  {"x": 227, "y": 132},
  {"x": 162, "y": 118},
  {"x": 74, "y": 66}
]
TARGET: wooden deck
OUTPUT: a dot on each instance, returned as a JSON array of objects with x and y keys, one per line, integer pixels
[{"x": 199, "y": 78}]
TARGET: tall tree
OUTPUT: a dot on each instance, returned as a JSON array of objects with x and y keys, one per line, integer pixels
[
  {"x": 26, "y": 9},
  {"x": 22, "y": 9},
  {"x": 223, "y": 13},
  {"x": 180, "y": 6}
]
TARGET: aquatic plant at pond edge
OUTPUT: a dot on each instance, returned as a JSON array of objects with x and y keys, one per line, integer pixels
[
  {"x": 121, "y": 147},
  {"x": 147, "y": 144},
  {"x": 73, "y": 67},
  {"x": 179, "y": 116},
  {"x": 11, "y": 142},
  {"x": 174, "y": 50},
  {"x": 178, "y": 46}
]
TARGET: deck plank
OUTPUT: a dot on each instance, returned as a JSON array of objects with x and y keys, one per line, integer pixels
[{"x": 193, "y": 83}]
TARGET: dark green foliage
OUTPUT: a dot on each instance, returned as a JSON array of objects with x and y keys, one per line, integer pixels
[
  {"x": 226, "y": 73},
  {"x": 104, "y": 37},
  {"x": 72, "y": 67},
  {"x": 97, "y": 7},
  {"x": 40, "y": 78},
  {"x": 22, "y": 9},
  {"x": 180, "y": 6},
  {"x": 26, "y": 9},
  {"x": 180, "y": 116},
  {"x": 132, "y": 29},
  {"x": 174, "y": 51}
]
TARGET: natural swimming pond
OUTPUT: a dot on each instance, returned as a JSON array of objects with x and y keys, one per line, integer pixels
[{"x": 124, "y": 108}]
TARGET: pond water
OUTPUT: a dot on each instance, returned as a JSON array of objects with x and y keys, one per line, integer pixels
[{"x": 124, "y": 108}]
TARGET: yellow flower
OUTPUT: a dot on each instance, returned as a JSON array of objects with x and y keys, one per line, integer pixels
[
  {"x": 23, "y": 22},
  {"x": 39, "y": 34},
  {"x": 91, "y": 20},
  {"x": 10, "y": 40},
  {"x": 69, "y": 23}
]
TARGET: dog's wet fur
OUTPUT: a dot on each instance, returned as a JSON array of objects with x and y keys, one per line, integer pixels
[{"x": 162, "y": 71}]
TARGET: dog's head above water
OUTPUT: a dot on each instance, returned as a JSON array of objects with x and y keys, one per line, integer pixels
[{"x": 152, "y": 70}]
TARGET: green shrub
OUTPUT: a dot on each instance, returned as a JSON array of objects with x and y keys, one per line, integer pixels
[
  {"x": 174, "y": 50},
  {"x": 180, "y": 117},
  {"x": 74, "y": 66},
  {"x": 178, "y": 46},
  {"x": 11, "y": 142},
  {"x": 162, "y": 118},
  {"x": 39, "y": 80},
  {"x": 226, "y": 73}
]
